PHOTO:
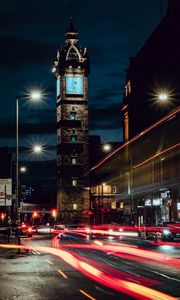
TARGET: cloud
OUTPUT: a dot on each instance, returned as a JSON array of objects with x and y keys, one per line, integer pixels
[
  {"x": 108, "y": 117},
  {"x": 17, "y": 52},
  {"x": 8, "y": 129},
  {"x": 102, "y": 97},
  {"x": 96, "y": 55}
]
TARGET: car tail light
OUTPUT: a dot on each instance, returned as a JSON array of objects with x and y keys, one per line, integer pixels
[{"x": 30, "y": 229}]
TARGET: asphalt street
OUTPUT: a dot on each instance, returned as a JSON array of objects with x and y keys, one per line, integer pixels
[{"x": 42, "y": 275}]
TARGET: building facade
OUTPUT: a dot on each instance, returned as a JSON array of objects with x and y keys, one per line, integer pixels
[
  {"x": 152, "y": 83},
  {"x": 71, "y": 69},
  {"x": 5, "y": 184},
  {"x": 139, "y": 182}
]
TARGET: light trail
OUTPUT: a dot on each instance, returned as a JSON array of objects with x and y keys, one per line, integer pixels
[
  {"x": 107, "y": 276},
  {"x": 160, "y": 122},
  {"x": 133, "y": 253},
  {"x": 157, "y": 155}
]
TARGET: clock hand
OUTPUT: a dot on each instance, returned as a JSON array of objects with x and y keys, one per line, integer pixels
[{"x": 75, "y": 85}]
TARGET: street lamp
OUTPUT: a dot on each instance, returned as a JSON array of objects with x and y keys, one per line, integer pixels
[
  {"x": 107, "y": 147},
  {"x": 35, "y": 96},
  {"x": 37, "y": 149},
  {"x": 163, "y": 97},
  {"x": 23, "y": 169}
]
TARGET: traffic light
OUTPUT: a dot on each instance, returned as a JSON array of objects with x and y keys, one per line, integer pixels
[
  {"x": 35, "y": 214},
  {"x": 3, "y": 215},
  {"x": 54, "y": 213}
]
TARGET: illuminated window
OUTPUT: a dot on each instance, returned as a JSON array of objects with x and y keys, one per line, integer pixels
[
  {"x": 126, "y": 126},
  {"x": 73, "y": 139},
  {"x": 74, "y": 161},
  {"x": 73, "y": 115},
  {"x": 121, "y": 205},
  {"x": 93, "y": 190},
  {"x": 114, "y": 189},
  {"x": 128, "y": 88},
  {"x": 74, "y": 205},
  {"x": 74, "y": 182}
]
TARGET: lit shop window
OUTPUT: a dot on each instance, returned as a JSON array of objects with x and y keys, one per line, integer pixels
[
  {"x": 114, "y": 189},
  {"x": 93, "y": 190}
]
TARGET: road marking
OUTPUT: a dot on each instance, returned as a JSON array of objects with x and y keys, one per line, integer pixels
[
  {"x": 158, "y": 273},
  {"x": 168, "y": 277},
  {"x": 30, "y": 247},
  {"x": 101, "y": 290},
  {"x": 63, "y": 274},
  {"x": 87, "y": 295},
  {"x": 49, "y": 262}
]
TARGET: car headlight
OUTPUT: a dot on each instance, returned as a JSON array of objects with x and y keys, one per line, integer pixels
[
  {"x": 166, "y": 232},
  {"x": 88, "y": 230}
]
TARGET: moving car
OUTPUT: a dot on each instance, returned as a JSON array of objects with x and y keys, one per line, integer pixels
[{"x": 24, "y": 230}]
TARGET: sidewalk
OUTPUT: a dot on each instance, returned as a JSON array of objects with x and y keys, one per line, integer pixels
[{"x": 13, "y": 240}]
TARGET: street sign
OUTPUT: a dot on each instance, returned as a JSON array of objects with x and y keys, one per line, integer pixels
[
  {"x": 5, "y": 202},
  {"x": 5, "y": 192},
  {"x": 13, "y": 196}
]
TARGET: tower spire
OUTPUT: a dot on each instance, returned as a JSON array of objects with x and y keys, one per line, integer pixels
[
  {"x": 71, "y": 25},
  {"x": 71, "y": 33}
]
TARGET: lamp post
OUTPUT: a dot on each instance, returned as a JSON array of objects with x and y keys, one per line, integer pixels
[
  {"x": 17, "y": 159},
  {"x": 22, "y": 170},
  {"x": 35, "y": 96}
]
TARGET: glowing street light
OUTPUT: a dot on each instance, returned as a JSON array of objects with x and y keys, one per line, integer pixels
[
  {"x": 36, "y": 95},
  {"x": 107, "y": 147},
  {"x": 37, "y": 149},
  {"x": 163, "y": 97},
  {"x": 23, "y": 169}
]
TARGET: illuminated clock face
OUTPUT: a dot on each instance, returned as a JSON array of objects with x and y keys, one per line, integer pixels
[{"x": 74, "y": 85}]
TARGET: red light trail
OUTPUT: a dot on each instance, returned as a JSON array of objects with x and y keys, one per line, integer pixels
[{"x": 160, "y": 122}]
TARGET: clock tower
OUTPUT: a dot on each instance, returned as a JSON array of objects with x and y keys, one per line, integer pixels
[{"x": 71, "y": 69}]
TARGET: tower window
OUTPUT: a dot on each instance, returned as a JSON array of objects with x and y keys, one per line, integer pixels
[
  {"x": 74, "y": 182},
  {"x": 74, "y": 161},
  {"x": 74, "y": 139},
  {"x": 73, "y": 115},
  {"x": 74, "y": 205}
]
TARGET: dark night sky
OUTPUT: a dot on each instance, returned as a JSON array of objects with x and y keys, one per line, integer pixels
[{"x": 30, "y": 33}]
